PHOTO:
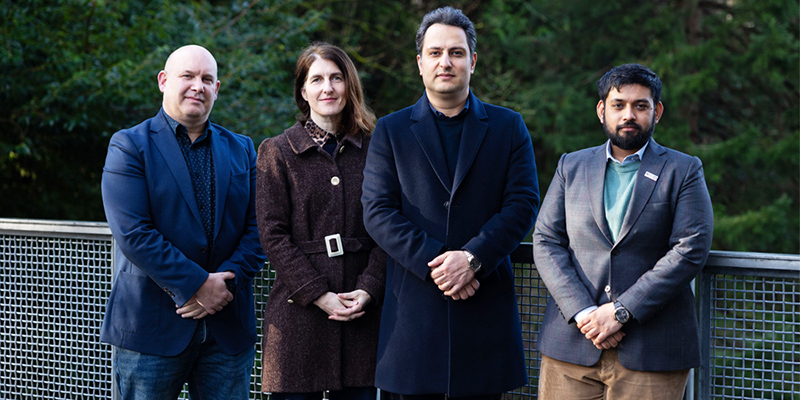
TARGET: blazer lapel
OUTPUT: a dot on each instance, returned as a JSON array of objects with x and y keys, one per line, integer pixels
[
  {"x": 471, "y": 138},
  {"x": 220, "y": 150},
  {"x": 167, "y": 145},
  {"x": 646, "y": 179},
  {"x": 427, "y": 135},
  {"x": 595, "y": 174}
]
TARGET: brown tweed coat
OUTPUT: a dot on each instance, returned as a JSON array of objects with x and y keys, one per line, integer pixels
[{"x": 304, "y": 194}]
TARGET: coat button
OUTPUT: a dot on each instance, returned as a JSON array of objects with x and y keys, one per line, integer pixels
[
  {"x": 203, "y": 249},
  {"x": 615, "y": 252},
  {"x": 341, "y": 149},
  {"x": 335, "y": 181},
  {"x": 446, "y": 205},
  {"x": 291, "y": 301}
]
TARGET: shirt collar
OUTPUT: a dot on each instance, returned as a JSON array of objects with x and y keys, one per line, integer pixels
[
  {"x": 319, "y": 135},
  {"x": 629, "y": 159},
  {"x": 175, "y": 126},
  {"x": 441, "y": 115}
]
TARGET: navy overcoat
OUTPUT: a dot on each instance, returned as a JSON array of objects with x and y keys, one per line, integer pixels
[{"x": 414, "y": 211}]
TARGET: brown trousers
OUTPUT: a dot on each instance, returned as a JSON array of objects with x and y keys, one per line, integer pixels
[
  {"x": 395, "y": 396},
  {"x": 607, "y": 380}
]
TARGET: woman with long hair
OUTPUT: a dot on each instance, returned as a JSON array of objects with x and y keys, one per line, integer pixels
[{"x": 321, "y": 320}]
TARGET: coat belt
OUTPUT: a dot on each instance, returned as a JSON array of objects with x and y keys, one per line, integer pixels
[{"x": 350, "y": 245}]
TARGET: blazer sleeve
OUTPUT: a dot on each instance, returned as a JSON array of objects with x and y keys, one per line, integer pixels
[
  {"x": 689, "y": 245},
  {"x": 381, "y": 197},
  {"x": 274, "y": 210},
  {"x": 127, "y": 207},
  {"x": 551, "y": 251},
  {"x": 248, "y": 257},
  {"x": 503, "y": 232}
]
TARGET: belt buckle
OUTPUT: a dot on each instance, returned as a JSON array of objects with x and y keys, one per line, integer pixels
[{"x": 338, "y": 239}]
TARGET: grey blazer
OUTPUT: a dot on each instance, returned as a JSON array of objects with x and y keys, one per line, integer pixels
[{"x": 662, "y": 245}]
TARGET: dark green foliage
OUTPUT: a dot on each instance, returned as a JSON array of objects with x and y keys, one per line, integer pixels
[{"x": 76, "y": 71}]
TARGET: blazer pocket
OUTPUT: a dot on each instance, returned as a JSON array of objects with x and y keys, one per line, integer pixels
[
  {"x": 138, "y": 303},
  {"x": 244, "y": 176},
  {"x": 658, "y": 211}
]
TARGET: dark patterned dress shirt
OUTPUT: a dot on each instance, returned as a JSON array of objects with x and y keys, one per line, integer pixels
[{"x": 201, "y": 168}]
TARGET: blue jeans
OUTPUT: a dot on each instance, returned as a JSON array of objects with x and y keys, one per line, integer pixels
[
  {"x": 211, "y": 373},
  {"x": 348, "y": 393}
]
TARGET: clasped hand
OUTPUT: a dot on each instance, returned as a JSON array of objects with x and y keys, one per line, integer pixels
[
  {"x": 344, "y": 306},
  {"x": 451, "y": 274},
  {"x": 602, "y": 328},
  {"x": 212, "y": 296}
]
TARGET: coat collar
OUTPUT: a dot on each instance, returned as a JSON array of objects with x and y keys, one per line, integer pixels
[
  {"x": 424, "y": 129},
  {"x": 300, "y": 141},
  {"x": 650, "y": 168}
]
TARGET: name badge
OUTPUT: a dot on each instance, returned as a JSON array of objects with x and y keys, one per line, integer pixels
[{"x": 651, "y": 176}]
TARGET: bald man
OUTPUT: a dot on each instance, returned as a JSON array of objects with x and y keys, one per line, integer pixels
[{"x": 179, "y": 197}]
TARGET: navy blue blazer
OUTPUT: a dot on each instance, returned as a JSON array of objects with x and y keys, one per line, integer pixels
[
  {"x": 162, "y": 253},
  {"x": 663, "y": 243},
  {"x": 429, "y": 343}
]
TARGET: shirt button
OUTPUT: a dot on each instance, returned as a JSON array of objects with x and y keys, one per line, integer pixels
[
  {"x": 335, "y": 181},
  {"x": 341, "y": 149}
]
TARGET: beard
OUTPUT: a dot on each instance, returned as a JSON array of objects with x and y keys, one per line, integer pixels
[{"x": 632, "y": 142}]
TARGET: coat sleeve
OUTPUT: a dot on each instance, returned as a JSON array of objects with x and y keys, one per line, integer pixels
[
  {"x": 381, "y": 197},
  {"x": 274, "y": 210},
  {"x": 373, "y": 278},
  {"x": 503, "y": 232},
  {"x": 552, "y": 255},
  {"x": 127, "y": 206},
  {"x": 689, "y": 245},
  {"x": 248, "y": 257}
]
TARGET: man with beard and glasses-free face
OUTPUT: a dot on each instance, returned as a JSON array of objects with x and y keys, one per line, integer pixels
[{"x": 623, "y": 230}]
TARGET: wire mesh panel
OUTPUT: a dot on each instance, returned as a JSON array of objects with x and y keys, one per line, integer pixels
[
  {"x": 532, "y": 299},
  {"x": 55, "y": 279},
  {"x": 52, "y": 298},
  {"x": 754, "y": 341}
]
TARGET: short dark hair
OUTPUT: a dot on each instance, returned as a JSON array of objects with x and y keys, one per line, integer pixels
[
  {"x": 447, "y": 16},
  {"x": 628, "y": 74}
]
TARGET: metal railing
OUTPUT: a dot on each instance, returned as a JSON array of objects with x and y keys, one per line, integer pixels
[{"x": 55, "y": 277}]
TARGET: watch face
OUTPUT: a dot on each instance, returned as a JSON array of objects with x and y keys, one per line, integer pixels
[{"x": 622, "y": 315}]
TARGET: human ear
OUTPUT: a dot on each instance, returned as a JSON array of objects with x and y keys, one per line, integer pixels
[{"x": 601, "y": 108}]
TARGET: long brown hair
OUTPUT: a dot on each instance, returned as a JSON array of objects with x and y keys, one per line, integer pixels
[{"x": 356, "y": 116}]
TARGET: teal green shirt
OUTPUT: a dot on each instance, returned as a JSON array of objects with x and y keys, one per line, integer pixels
[{"x": 617, "y": 192}]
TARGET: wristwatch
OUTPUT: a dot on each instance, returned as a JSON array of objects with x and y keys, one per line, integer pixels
[
  {"x": 621, "y": 314},
  {"x": 474, "y": 264}
]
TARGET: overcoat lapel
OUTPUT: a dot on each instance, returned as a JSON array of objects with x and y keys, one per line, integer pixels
[
  {"x": 595, "y": 174},
  {"x": 167, "y": 145},
  {"x": 220, "y": 152},
  {"x": 427, "y": 135},
  {"x": 471, "y": 138},
  {"x": 646, "y": 179}
]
